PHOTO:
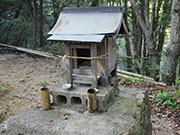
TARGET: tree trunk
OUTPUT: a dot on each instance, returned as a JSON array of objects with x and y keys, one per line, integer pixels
[
  {"x": 173, "y": 49},
  {"x": 137, "y": 43},
  {"x": 41, "y": 23},
  {"x": 35, "y": 24},
  {"x": 33, "y": 12},
  {"x": 128, "y": 48},
  {"x": 179, "y": 67},
  {"x": 79, "y": 3},
  {"x": 147, "y": 29},
  {"x": 95, "y": 3},
  {"x": 162, "y": 29},
  {"x": 128, "y": 52},
  {"x": 55, "y": 11}
]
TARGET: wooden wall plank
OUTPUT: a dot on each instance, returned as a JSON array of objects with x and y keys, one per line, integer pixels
[
  {"x": 81, "y": 77},
  {"x": 82, "y": 71},
  {"x": 82, "y": 81}
]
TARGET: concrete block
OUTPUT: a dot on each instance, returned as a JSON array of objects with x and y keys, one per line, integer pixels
[{"x": 77, "y": 97}]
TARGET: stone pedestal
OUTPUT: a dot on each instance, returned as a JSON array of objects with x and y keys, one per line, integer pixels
[
  {"x": 128, "y": 115},
  {"x": 76, "y": 97}
]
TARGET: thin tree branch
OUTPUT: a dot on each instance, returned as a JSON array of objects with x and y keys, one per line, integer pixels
[
  {"x": 146, "y": 12},
  {"x": 143, "y": 25},
  {"x": 152, "y": 17}
]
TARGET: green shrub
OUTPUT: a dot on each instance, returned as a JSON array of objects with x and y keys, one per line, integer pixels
[{"x": 166, "y": 99}]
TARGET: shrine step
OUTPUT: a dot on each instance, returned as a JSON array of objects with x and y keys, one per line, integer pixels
[{"x": 79, "y": 78}]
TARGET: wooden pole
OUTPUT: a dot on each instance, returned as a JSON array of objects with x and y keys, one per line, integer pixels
[
  {"x": 69, "y": 64},
  {"x": 94, "y": 65}
]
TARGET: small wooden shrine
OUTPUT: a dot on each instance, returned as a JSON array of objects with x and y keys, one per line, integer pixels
[{"x": 89, "y": 36}]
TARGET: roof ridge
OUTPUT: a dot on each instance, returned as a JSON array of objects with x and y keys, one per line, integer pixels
[{"x": 93, "y": 9}]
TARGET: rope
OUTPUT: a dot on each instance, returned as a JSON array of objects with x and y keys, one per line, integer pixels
[{"x": 91, "y": 58}]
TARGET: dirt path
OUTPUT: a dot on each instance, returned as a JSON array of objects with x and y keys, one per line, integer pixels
[{"x": 23, "y": 77}]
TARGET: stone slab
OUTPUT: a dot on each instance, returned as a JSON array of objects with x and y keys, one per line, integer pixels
[
  {"x": 76, "y": 97},
  {"x": 129, "y": 115}
]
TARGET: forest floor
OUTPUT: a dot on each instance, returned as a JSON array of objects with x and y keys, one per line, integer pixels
[{"x": 22, "y": 77}]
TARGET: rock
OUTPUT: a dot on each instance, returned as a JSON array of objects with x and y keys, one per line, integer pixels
[
  {"x": 143, "y": 125},
  {"x": 1, "y": 115},
  {"x": 3, "y": 128},
  {"x": 124, "y": 117},
  {"x": 24, "y": 55}
]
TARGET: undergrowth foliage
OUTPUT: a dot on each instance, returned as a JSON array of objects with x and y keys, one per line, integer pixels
[
  {"x": 130, "y": 81},
  {"x": 169, "y": 98},
  {"x": 165, "y": 99}
]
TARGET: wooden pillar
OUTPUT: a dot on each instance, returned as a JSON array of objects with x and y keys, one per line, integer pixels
[
  {"x": 69, "y": 65},
  {"x": 112, "y": 55},
  {"x": 106, "y": 50},
  {"x": 94, "y": 65},
  {"x": 75, "y": 60},
  {"x": 110, "y": 59}
]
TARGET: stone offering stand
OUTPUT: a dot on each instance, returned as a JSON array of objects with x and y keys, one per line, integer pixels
[{"x": 129, "y": 115}]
